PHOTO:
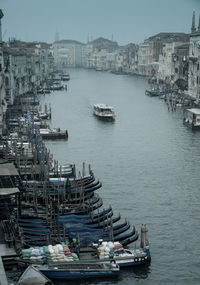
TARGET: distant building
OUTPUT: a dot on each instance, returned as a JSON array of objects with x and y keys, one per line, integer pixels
[
  {"x": 68, "y": 53},
  {"x": 100, "y": 54},
  {"x": 143, "y": 58},
  {"x": 126, "y": 59},
  {"x": 194, "y": 61}
]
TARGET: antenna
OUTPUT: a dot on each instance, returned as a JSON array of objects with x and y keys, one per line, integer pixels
[{"x": 56, "y": 36}]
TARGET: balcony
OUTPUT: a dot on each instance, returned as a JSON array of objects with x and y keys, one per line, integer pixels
[{"x": 193, "y": 58}]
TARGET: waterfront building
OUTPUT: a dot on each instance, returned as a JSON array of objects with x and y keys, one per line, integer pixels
[
  {"x": 68, "y": 53},
  {"x": 27, "y": 66},
  {"x": 150, "y": 53},
  {"x": 173, "y": 59},
  {"x": 166, "y": 62},
  {"x": 16, "y": 81},
  {"x": 120, "y": 61},
  {"x": 110, "y": 60},
  {"x": 132, "y": 50},
  {"x": 45, "y": 61},
  {"x": 143, "y": 58},
  {"x": 98, "y": 59},
  {"x": 126, "y": 59},
  {"x": 131, "y": 58},
  {"x": 180, "y": 62},
  {"x": 194, "y": 62},
  {"x": 3, "y": 104},
  {"x": 148, "y": 56}
]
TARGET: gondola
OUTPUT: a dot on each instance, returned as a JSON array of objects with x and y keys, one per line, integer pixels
[
  {"x": 72, "y": 192},
  {"x": 129, "y": 240},
  {"x": 106, "y": 223},
  {"x": 99, "y": 219},
  {"x": 73, "y": 184},
  {"x": 83, "y": 230}
]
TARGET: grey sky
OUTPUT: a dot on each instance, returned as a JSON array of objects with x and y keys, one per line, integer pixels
[{"x": 127, "y": 20}]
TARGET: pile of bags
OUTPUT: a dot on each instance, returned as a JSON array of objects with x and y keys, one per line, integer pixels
[
  {"x": 34, "y": 254},
  {"x": 109, "y": 249},
  {"x": 57, "y": 253}
]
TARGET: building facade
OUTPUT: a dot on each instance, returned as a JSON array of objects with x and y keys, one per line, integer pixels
[
  {"x": 3, "y": 104},
  {"x": 194, "y": 62},
  {"x": 68, "y": 53}
]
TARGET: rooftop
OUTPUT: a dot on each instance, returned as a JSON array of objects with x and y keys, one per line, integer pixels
[
  {"x": 7, "y": 169},
  {"x": 170, "y": 37},
  {"x": 194, "y": 111}
]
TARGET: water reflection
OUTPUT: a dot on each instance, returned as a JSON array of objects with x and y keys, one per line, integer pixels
[{"x": 139, "y": 272}]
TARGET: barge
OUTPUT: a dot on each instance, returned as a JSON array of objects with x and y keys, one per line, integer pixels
[{"x": 53, "y": 134}]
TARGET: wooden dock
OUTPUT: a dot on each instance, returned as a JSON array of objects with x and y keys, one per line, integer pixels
[{"x": 4, "y": 251}]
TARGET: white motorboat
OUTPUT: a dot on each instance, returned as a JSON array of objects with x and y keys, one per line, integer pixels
[{"x": 104, "y": 112}]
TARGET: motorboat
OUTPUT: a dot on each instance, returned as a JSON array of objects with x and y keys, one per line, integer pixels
[{"x": 104, "y": 112}]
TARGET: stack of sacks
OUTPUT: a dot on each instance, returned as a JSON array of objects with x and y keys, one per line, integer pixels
[
  {"x": 75, "y": 256},
  {"x": 37, "y": 254},
  {"x": 109, "y": 249},
  {"x": 47, "y": 253},
  {"x": 67, "y": 253},
  {"x": 110, "y": 245},
  {"x": 104, "y": 250},
  {"x": 56, "y": 253},
  {"x": 26, "y": 253},
  {"x": 34, "y": 254},
  {"x": 118, "y": 248}
]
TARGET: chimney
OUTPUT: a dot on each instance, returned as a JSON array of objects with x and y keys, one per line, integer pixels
[{"x": 1, "y": 16}]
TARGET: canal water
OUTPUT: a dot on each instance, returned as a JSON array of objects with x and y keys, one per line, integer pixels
[{"x": 148, "y": 163}]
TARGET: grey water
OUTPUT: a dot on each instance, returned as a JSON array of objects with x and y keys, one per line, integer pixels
[{"x": 148, "y": 163}]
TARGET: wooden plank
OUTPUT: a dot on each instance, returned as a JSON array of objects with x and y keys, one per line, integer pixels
[{"x": 7, "y": 169}]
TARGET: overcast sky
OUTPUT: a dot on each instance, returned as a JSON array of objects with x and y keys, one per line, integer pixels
[{"x": 125, "y": 21}]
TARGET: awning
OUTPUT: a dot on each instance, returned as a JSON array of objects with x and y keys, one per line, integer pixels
[{"x": 8, "y": 191}]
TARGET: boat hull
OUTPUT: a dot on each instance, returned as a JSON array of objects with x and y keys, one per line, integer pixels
[
  {"x": 63, "y": 275},
  {"x": 105, "y": 118},
  {"x": 81, "y": 270},
  {"x": 132, "y": 261}
]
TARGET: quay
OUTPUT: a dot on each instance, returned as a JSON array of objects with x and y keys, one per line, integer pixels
[{"x": 4, "y": 251}]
